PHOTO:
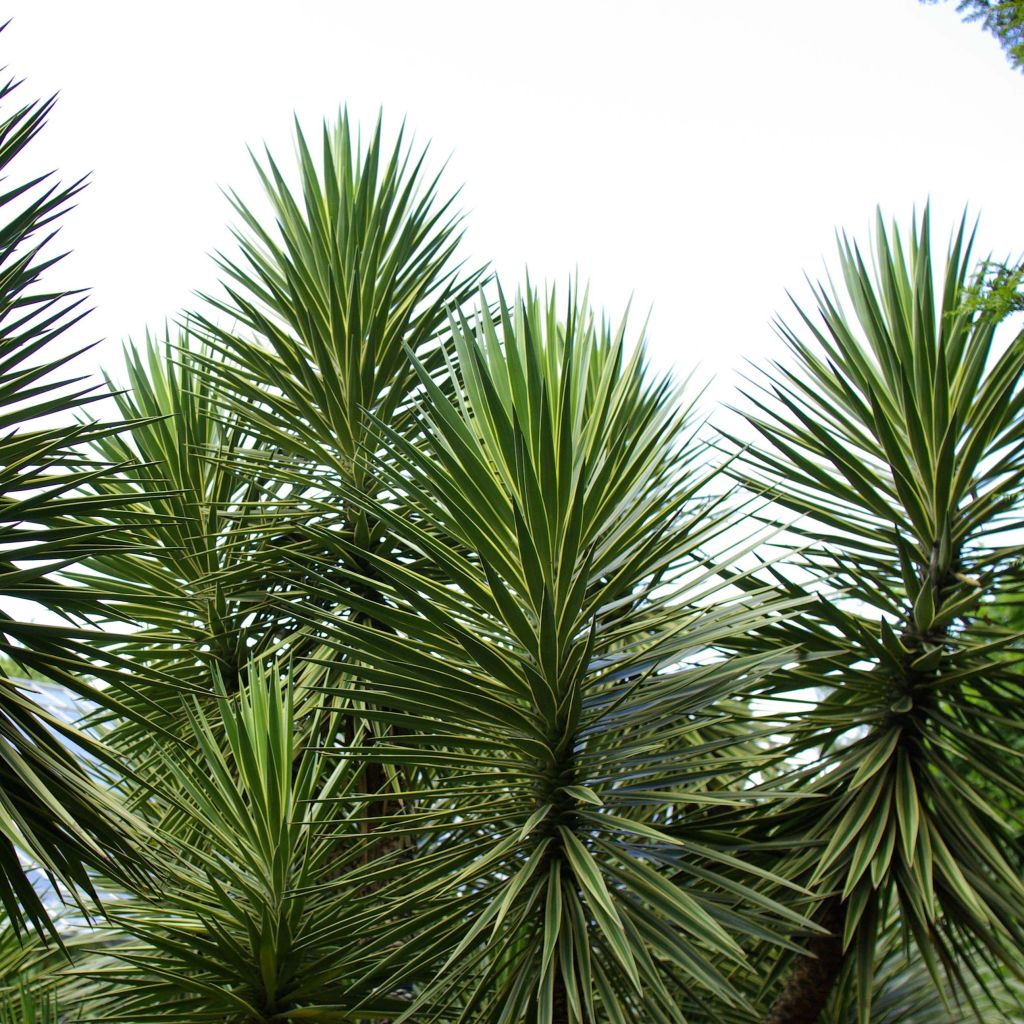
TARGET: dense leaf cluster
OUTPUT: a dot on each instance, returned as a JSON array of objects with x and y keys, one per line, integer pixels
[{"x": 442, "y": 665}]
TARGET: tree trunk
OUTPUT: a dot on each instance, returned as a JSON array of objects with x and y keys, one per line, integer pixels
[
  {"x": 560, "y": 1004},
  {"x": 560, "y": 1001},
  {"x": 813, "y": 975}
]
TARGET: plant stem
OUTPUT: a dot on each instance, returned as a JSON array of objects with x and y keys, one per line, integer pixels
[{"x": 813, "y": 974}]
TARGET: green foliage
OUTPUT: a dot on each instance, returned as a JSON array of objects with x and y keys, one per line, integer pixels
[
  {"x": 446, "y": 667},
  {"x": 360, "y": 272},
  {"x": 50, "y": 807},
  {"x": 1002, "y": 18},
  {"x": 905, "y": 993},
  {"x": 27, "y": 979},
  {"x": 548, "y": 676},
  {"x": 897, "y": 438},
  {"x": 245, "y": 929}
]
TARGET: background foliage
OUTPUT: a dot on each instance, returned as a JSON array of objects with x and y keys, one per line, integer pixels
[{"x": 1002, "y": 18}]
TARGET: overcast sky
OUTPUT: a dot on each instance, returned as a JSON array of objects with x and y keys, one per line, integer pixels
[{"x": 697, "y": 155}]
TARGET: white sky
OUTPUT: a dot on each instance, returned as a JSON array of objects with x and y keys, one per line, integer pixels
[{"x": 698, "y": 154}]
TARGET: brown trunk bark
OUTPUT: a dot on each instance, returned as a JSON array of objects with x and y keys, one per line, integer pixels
[
  {"x": 560, "y": 1004},
  {"x": 560, "y": 1001},
  {"x": 812, "y": 975}
]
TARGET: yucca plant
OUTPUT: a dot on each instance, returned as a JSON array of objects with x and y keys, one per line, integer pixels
[
  {"x": 905, "y": 992},
  {"x": 51, "y": 808},
  {"x": 534, "y": 640},
  {"x": 28, "y": 978},
  {"x": 447, "y": 667},
  {"x": 247, "y": 927},
  {"x": 547, "y": 661},
  {"x": 896, "y": 437}
]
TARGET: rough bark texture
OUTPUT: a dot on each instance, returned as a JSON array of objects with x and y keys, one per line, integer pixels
[{"x": 811, "y": 977}]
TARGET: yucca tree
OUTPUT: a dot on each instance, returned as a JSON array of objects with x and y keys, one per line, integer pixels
[
  {"x": 448, "y": 677},
  {"x": 476, "y": 549},
  {"x": 196, "y": 592},
  {"x": 246, "y": 928},
  {"x": 896, "y": 436},
  {"x": 554, "y": 683},
  {"x": 51, "y": 809},
  {"x": 904, "y": 991}
]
